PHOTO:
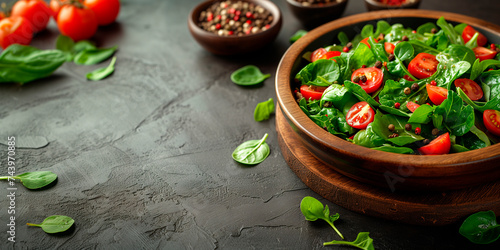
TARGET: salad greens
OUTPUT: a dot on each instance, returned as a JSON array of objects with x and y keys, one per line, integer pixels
[
  {"x": 403, "y": 97},
  {"x": 252, "y": 152},
  {"x": 481, "y": 228},
  {"x": 263, "y": 110},
  {"x": 33, "y": 180},
  {"x": 313, "y": 210},
  {"x": 55, "y": 224},
  {"x": 248, "y": 75}
]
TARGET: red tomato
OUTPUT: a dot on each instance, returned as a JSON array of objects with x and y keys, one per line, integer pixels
[
  {"x": 317, "y": 54},
  {"x": 55, "y": 6},
  {"x": 360, "y": 115},
  {"x": 483, "y": 53},
  {"x": 469, "y": 32},
  {"x": 37, "y": 12},
  {"x": 105, "y": 10},
  {"x": 374, "y": 77},
  {"x": 331, "y": 54},
  {"x": 470, "y": 88},
  {"x": 365, "y": 41},
  {"x": 423, "y": 65},
  {"x": 312, "y": 92},
  {"x": 412, "y": 106},
  {"x": 77, "y": 23},
  {"x": 438, "y": 146},
  {"x": 15, "y": 29},
  {"x": 491, "y": 119},
  {"x": 389, "y": 47},
  {"x": 436, "y": 94}
]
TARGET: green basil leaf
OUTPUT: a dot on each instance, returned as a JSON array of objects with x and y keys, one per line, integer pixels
[
  {"x": 94, "y": 56},
  {"x": 481, "y": 228},
  {"x": 363, "y": 241},
  {"x": 322, "y": 72},
  {"x": 102, "y": 73},
  {"x": 55, "y": 224},
  {"x": 66, "y": 45},
  {"x": 248, "y": 75},
  {"x": 83, "y": 45},
  {"x": 263, "y": 110},
  {"x": 297, "y": 35},
  {"x": 252, "y": 152}
]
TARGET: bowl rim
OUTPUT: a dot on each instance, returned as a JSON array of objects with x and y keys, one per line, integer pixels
[
  {"x": 315, "y": 6},
  {"x": 269, "y": 5},
  {"x": 382, "y": 5},
  {"x": 321, "y": 137}
]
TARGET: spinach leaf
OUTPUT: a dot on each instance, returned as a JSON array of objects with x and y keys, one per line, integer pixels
[
  {"x": 421, "y": 47},
  {"x": 102, "y": 73},
  {"x": 360, "y": 93},
  {"x": 263, "y": 110},
  {"x": 252, "y": 152},
  {"x": 378, "y": 50},
  {"x": 394, "y": 149},
  {"x": 381, "y": 123},
  {"x": 83, "y": 45},
  {"x": 248, "y": 75},
  {"x": 313, "y": 210},
  {"x": 382, "y": 28},
  {"x": 439, "y": 41},
  {"x": 490, "y": 83},
  {"x": 363, "y": 241},
  {"x": 479, "y": 66},
  {"x": 451, "y": 33},
  {"x": 297, "y": 35},
  {"x": 458, "y": 118},
  {"x": 455, "y": 53},
  {"x": 393, "y": 92},
  {"x": 94, "y": 56},
  {"x": 459, "y": 28},
  {"x": 397, "y": 32},
  {"x": 491, "y": 104},
  {"x": 322, "y": 72},
  {"x": 55, "y": 224},
  {"x": 33, "y": 180},
  {"x": 422, "y": 114},
  {"x": 368, "y": 138},
  {"x": 426, "y": 28},
  {"x": 344, "y": 40},
  {"x": 362, "y": 55},
  {"x": 481, "y": 228},
  {"x": 339, "y": 96},
  {"x": 22, "y": 64},
  {"x": 403, "y": 51},
  {"x": 367, "y": 31}
]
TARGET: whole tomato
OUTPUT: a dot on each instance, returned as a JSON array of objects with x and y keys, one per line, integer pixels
[
  {"x": 55, "y": 6},
  {"x": 105, "y": 10},
  {"x": 77, "y": 23},
  {"x": 37, "y": 12},
  {"x": 15, "y": 29}
]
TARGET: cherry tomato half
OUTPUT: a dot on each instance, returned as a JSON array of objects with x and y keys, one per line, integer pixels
[
  {"x": 105, "y": 10},
  {"x": 37, "y": 12},
  {"x": 469, "y": 32},
  {"x": 365, "y": 41},
  {"x": 317, "y": 54},
  {"x": 360, "y": 115},
  {"x": 491, "y": 119},
  {"x": 77, "y": 23},
  {"x": 436, "y": 94},
  {"x": 483, "y": 53},
  {"x": 412, "y": 106},
  {"x": 423, "y": 65},
  {"x": 470, "y": 88},
  {"x": 439, "y": 146},
  {"x": 374, "y": 77},
  {"x": 15, "y": 29},
  {"x": 389, "y": 47},
  {"x": 312, "y": 92}
]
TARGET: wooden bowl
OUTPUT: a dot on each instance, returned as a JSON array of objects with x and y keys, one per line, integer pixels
[
  {"x": 315, "y": 15},
  {"x": 232, "y": 45},
  {"x": 372, "y": 5},
  {"x": 383, "y": 169}
]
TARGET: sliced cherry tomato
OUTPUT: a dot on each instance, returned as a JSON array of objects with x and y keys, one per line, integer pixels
[
  {"x": 389, "y": 47},
  {"x": 483, "y": 53},
  {"x": 469, "y": 32},
  {"x": 15, "y": 29},
  {"x": 37, "y": 12},
  {"x": 365, "y": 41},
  {"x": 412, "y": 106},
  {"x": 436, "y": 94},
  {"x": 491, "y": 119},
  {"x": 360, "y": 115},
  {"x": 438, "y": 146},
  {"x": 317, "y": 54},
  {"x": 470, "y": 88},
  {"x": 312, "y": 92},
  {"x": 423, "y": 65},
  {"x": 331, "y": 54},
  {"x": 105, "y": 10},
  {"x": 77, "y": 23},
  {"x": 374, "y": 77}
]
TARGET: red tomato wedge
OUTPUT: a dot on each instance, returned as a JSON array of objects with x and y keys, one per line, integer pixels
[
  {"x": 389, "y": 47},
  {"x": 312, "y": 92},
  {"x": 423, "y": 65},
  {"x": 491, "y": 119},
  {"x": 438, "y": 146},
  {"x": 470, "y": 88},
  {"x": 436, "y": 94},
  {"x": 317, "y": 54},
  {"x": 15, "y": 29},
  {"x": 331, "y": 54},
  {"x": 483, "y": 53},
  {"x": 365, "y": 41},
  {"x": 469, "y": 32},
  {"x": 374, "y": 78},
  {"x": 412, "y": 106},
  {"x": 360, "y": 115}
]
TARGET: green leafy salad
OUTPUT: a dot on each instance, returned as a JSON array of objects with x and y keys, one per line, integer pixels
[{"x": 431, "y": 90}]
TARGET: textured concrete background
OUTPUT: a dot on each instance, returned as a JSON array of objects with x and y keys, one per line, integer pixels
[{"x": 144, "y": 156}]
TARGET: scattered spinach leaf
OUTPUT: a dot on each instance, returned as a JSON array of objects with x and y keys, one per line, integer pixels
[
  {"x": 102, "y": 73},
  {"x": 248, "y": 75},
  {"x": 33, "y": 180},
  {"x": 263, "y": 110},
  {"x": 313, "y": 210},
  {"x": 252, "y": 152},
  {"x": 55, "y": 224},
  {"x": 481, "y": 228},
  {"x": 94, "y": 56},
  {"x": 363, "y": 241},
  {"x": 297, "y": 35}
]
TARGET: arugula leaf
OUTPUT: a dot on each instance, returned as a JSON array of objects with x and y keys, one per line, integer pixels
[
  {"x": 481, "y": 228},
  {"x": 322, "y": 72},
  {"x": 313, "y": 210},
  {"x": 252, "y": 152},
  {"x": 263, "y": 110},
  {"x": 102, "y": 73},
  {"x": 363, "y": 241},
  {"x": 458, "y": 118}
]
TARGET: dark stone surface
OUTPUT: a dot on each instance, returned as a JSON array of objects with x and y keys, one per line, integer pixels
[{"x": 144, "y": 156}]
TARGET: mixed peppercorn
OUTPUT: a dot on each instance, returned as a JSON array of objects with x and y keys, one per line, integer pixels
[{"x": 228, "y": 18}]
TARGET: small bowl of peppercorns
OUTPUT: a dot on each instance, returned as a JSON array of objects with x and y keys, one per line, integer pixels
[
  {"x": 373, "y": 5},
  {"x": 313, "y": 13},
  {"x": 231, "y": 27}
]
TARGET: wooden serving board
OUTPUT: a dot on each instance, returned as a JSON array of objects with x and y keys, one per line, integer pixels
[{"x": 409, "y": 207}]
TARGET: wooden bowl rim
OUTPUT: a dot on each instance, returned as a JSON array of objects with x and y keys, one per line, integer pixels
[{"x": 321, "y": 137}]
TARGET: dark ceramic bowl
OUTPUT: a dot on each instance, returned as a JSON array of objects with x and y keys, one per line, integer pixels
[
  {"x": 232, "y": 45},
  {"x": 315, "y": 15},
  {"x": 372, "y": 5},
  {"x": 409, "y": 172}
]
